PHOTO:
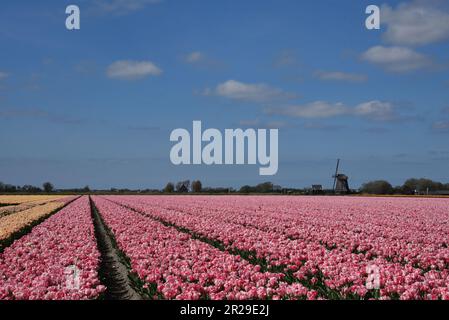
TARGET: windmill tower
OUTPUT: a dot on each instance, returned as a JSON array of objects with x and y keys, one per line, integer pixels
[{"x": 341, "y": 185}]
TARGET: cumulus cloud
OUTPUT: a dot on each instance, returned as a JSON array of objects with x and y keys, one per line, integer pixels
[
  {"x": 121, "y": 7},
  {"x": 236, "y": 90},
  {"x": 397, "y": 59},
  {"x": 376, "y": 110},
  {"x": 132, "y": 70},
  {"x": 318, "y": 109},
  {"x": 372, "y": 110},
  {"x": 201, "y": 59},
  {"x": 416, "y": 23},
  {"x": 340, "y": 76}
]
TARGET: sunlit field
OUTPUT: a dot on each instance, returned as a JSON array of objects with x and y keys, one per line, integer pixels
[{"x": 235, "y": 247}]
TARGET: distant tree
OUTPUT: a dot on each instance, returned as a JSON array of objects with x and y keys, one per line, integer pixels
[
  {"x": 169, "y": 188},
  {"x": 48, "y": 187},
  {"x": 218, "y": 190},
  {"x": 28, "y": 189},
  {"x": 409, "y": 186},
  {"x": 377, "y": 187},
  {"x": 197, "y": 186},
  {"x": 427, "y": 184},
  {"x": 86, "y": 189},
  {"x": 246, "y": 189},
  {"x": 264, "y": 187},
  {"x": 398, "y": 190},
  {"x": 183, "y": 186},
  {"x": 421, "y": 185}
]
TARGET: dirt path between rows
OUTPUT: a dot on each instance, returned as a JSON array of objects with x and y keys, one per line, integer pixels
[{"x": 113, "y": 273}]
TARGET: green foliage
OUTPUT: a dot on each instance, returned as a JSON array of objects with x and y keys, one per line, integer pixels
[
  {"x": 197, "y": 186},
  {"x": 377, "y": 187},
  {"x": 169, "y": 188},
  {"x": 48, "y": 187},
  {"x": 265, "y": 187}
]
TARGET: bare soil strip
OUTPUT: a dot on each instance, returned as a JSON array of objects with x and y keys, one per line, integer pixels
[
  {"x": 113, "y": 272},
  {"x": 322, "y": 289},
  {"x": 8, "y": 204}
]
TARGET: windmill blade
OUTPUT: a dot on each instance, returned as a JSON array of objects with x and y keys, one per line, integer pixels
[{"x": 336, "y": 173}]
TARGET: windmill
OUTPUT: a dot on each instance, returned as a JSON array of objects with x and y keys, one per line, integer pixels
[{"x": 340, "y": 181}]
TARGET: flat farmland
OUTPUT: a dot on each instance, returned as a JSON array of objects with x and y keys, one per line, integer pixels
[{"x": 233, "y": 248}]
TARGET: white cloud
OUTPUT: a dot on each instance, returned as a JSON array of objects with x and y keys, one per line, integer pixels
[
  {"x": 3, "y": 75},
  {"x": 201, "y": 59},
  {"x": 121, "y": 7},
  {"x": 372, "y": 110},
  {"x": 397, "y": 59},
  {"x": 236, "y": 90},
  {"x": 376, "y": 110},
  {"x": 318, "y": 109},
  {"x": 132, "y": 70},
  {"x": 340, "y": 76},
  {"x": 416, "y": 23},
  {"x": 194, "y": 57}
]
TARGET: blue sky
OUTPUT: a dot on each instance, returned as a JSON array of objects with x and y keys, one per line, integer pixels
[{"x": 96, "y": 106}]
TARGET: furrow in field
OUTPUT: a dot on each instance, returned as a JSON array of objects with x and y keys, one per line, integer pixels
[
  {"x": 357, "y": 229},
  {"x": 313, "y": 282},
  {"x": 58, "y": 259},
  {"x": 340, "y": 270},
  {"x": 178, "y": 266},
  {"x": 114, "y": 268},
  {"x": 268, "y": 251}
]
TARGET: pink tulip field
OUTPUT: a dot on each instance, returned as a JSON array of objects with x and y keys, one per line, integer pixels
[
  {"x": 58, "y": 259},
  {"x": 332, "y": 246},
  {"x": 239, "y": 248}
]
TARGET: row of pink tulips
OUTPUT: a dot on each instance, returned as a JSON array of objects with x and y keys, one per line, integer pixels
[
  {"x": 58, "y": 259},
  {"x": 184, "y": 268},
  {"x": 406, "y": 240}
]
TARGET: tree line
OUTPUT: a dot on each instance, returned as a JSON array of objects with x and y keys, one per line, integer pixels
[
  {"x": 47, "y": 187},
  {"x": 410, "y": 187},
  {"x": 197, "y": 187},
  {"x": 381, "y": 187}
]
